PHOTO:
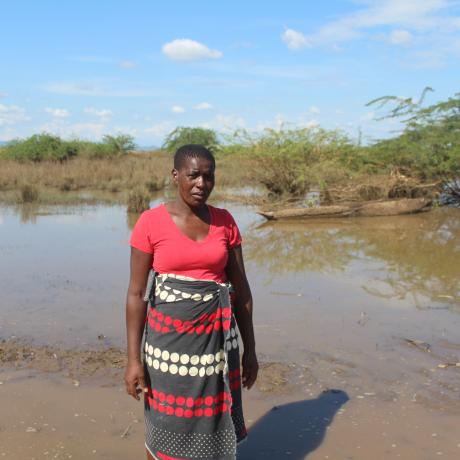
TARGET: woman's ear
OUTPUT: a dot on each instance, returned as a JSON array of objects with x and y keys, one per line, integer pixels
[{"x": 175, "y": 174}]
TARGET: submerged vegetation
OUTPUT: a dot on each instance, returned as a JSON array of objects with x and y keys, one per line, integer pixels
[
  {"x": 138, "y": 200},
  {"x": 287, "y": 163}
]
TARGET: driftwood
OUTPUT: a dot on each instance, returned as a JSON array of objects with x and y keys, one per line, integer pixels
[{"x": 366, "y": 209}]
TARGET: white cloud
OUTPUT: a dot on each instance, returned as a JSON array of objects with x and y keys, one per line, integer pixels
[
  {"x": 12, "y": 114},
  {"x": 97, "y": 88},
  {"x": 189, "y": 50},
  {"x": 177, "y": 109},
  {"x": 127, "y": 64},
  {"x": 225, "y": 123},
  {"x": 100, "y": 113},
  {"x": 203, "y": 106},
  {"x": 126, "y": 129},
  {"x": 311, "y": 124},
  {"x": 124, "y": 63},
  {"x": 70, "y": 130},
  {"x": 3, "y": 95},
  {"x": 160, "y": 129},
  {"x": 400, "y": 37},
  {"x": 314, "y": 109},
  {"x": 58, "y": 113},
  {"x": 295, "y": 40},
  {"x": 421, "y": 16},
  {"x": 8, "y": 134},
  {"x": 278, "y": 122}
]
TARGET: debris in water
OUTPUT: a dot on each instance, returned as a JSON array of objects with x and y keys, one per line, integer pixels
[
  {"x": 446, "y": 365},
  {"x": 419, "y": 344}
]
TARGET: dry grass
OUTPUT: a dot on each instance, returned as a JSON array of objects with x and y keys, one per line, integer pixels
[
  {"x": 150, "y": 171},
  {"x": 116, "y": 174}
]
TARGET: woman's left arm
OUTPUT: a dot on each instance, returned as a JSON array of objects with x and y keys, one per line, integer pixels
[{"x": 243, "y": 314}]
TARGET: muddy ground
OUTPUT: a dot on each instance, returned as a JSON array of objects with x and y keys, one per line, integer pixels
[{"x": 59, "y": 403}]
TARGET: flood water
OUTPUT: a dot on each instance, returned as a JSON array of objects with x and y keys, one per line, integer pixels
[{"x": 368, "y": 306}]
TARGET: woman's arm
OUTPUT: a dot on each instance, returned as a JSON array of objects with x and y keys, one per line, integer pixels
[
  {"x": 243, "y": 314},
  {"x": 136, "y": 309}
]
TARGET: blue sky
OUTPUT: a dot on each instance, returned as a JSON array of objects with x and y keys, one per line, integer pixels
[{"x": 86, "y": 68}]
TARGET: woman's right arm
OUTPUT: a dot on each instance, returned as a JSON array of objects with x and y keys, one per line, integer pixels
[{"x": 136, "y": 309}]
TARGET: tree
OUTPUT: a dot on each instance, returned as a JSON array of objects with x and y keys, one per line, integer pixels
[
  {"x": 429, "y": 146},
  {"x": 185, "y": 135},
  {"x": 121, "y": 143}
]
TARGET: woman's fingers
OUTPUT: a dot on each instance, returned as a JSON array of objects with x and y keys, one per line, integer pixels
[
  {"x": 250, "y": 370},
  {"x": 131, "y": 389},
  {"x": 142, "y": 384},
  {"x": 250, "y": 379},
  {"x": 134, "y": 378}
]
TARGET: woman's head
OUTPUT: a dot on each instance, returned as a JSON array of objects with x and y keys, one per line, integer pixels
[
  {"x": 193, "y": 173},
  {"x": 192, "y": 151}
]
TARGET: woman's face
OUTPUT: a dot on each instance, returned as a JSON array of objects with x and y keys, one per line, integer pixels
[{"x": 195, "y": 180}]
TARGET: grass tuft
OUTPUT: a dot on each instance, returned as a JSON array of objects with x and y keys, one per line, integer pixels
[
  {"x": 29, "y": 194},
  {"x": 138, "y": 200}
]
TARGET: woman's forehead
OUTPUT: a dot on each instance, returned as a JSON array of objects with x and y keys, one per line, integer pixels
[{"x": 197, "y": 164}]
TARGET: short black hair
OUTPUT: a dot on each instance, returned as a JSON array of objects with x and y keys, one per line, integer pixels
[{"x": 192, "y": 151}]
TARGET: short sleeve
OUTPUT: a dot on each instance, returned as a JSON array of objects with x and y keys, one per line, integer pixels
[
  {"x": 234, "y": 235},
  {"x": 141, "y": 237}
]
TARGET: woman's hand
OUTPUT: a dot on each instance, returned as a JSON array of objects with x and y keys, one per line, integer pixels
[
  {"x": 250, "y": 368},
  {"x": 135, "y": 379}
]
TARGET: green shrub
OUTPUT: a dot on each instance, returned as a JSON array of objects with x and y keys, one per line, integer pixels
[
  {"x": 95, "y": 150},
  {"x": 286, "y": 161},
  {"x": 183, "y": 136},
  {"x": 429, "y": 146},
  {"x": 39, "y": 147},
  {"x": 119, "y": 144},
  {"x": 46, "y": 147}
]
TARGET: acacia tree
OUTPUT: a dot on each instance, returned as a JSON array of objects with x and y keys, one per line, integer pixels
[
  {"x": 186, "y": 135},
  {"x": 429, "y": 145},
  {"x": 121, "y": 143}
]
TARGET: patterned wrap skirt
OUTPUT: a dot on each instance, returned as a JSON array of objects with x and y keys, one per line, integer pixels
[{"x": 193, "y": 407}]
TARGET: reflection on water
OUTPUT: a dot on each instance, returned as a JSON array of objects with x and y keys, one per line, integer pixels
[
  {"x": 64, "y": 270},
  {"x": 131, "y": 219},
  {"x": 28, "y": 213},
  {"x": 416, "y": 254},
  {"x": 283, "y": 247}
]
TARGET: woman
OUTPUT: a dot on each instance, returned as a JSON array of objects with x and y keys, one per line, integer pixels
[{"x": 190, "y": 374}]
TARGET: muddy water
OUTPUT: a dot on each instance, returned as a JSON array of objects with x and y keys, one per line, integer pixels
[{"x": 357, "y": 324}]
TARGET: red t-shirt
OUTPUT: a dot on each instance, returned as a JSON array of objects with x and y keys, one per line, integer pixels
[{"x": 173, "y": 252}]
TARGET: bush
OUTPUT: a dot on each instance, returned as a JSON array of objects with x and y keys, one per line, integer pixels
[
  {"x": 46, "y": 147},
  {"x": 183, "y": 136},
  {"x": 287, "y": 161},
  {"x": 429, "y": 146},
  {"x": 95, "y": 150},
  {"x": 39, "y": 147},
  {"x": 138, "y": 200},
  {"x": 120, "y": 144}
]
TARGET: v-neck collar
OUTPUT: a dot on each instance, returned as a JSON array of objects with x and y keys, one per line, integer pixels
[{"x": 178, "y": 230}]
